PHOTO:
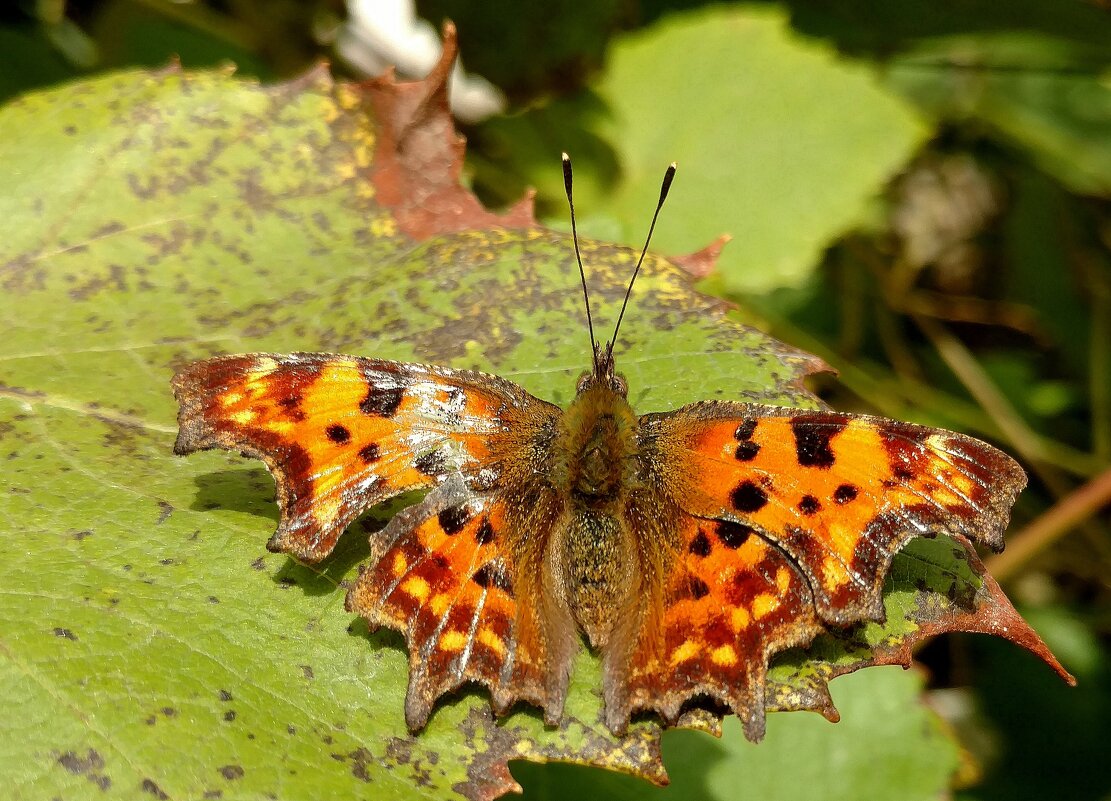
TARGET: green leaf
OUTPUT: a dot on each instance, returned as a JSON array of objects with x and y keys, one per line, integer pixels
[
  {"x": 888, "y": 745},
  {"x": 149, "y": 645},
  {"x": 157, "y": 218},
  {"x": 780, "y": 143}
]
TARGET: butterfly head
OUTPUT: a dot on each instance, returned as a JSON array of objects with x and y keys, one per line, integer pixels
[{"x": 603, "y": 373}]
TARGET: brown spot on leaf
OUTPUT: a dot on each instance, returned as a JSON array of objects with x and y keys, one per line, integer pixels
[
  {"x": 231, "y": 772},
  {"x": 89, "y": 766},
  {"x": 361, "y": 759},
  {"x": 148, "y": 786}
]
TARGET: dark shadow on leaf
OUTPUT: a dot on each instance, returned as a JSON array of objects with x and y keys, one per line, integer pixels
[
  {"x": 382, "y": 640},
  {"x": 248, "y": 489},
  {"x": 325, "y": 578},
  {"x": 469, "y": 694}
]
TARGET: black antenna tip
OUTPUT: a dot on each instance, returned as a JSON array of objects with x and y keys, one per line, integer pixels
[
  {"x": 669, "y": 176},
  {"x": 567, "y": 175}
]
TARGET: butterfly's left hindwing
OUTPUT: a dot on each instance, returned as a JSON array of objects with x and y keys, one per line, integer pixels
[
  {"x": 730, "y": 602},
  {"x": 341, "y": 433},
  {"x": 443, "y": 575}
]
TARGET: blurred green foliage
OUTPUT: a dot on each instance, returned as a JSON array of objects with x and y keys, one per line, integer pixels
[{"x": 954, "y": 263}]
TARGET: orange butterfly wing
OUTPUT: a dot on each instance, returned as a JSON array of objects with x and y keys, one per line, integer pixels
[
  {"x": 443, "y": 577},
  {"x": 341, "y": 434},
  {"x": 788, "y": 520},
  {"x": 729, "y": 603}
]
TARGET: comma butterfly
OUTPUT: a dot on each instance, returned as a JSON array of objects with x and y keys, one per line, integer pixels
[{"x": 688, "y": 546}]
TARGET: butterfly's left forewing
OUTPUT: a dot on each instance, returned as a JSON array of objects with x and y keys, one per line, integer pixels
[
  {"x": 838, "y": 493},
  {"x": 341, "y": 433}
]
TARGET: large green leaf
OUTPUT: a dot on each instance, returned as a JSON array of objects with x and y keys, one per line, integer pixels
[
  {"x": 148, "y": 644},
  {"x": 781, "y": 144}
]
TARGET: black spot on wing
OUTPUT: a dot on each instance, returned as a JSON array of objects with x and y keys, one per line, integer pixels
[
  {"x": 698, "y": 588},
  {"x": 292, "y": 406},
  {"x": 906, "y": 449},
  {"x": 382, "y": 401},
  {"x": 338, "y": 434},
  {"x": 700, "y": 545},
  {"x": 902, "y": 473},
  {"x": 370, "y": 453},
  {"x": 812, "y": 437},
  {"x": 745, "y": 430},
  {"x": 485, "y": 533},
  {"x": 845, "y": 493},
  {"x": 748, "y": 497},
  {"x": 454, "y": 518},
  {"x": 432, "y": 463},
  {"x": 733, "y": 535},
  {"x": 809, "y": 505},
  {"x": 493, "y": 575},
  {"x": 747, "y": 451}
]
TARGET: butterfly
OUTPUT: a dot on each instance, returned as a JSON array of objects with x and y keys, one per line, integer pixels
[{"x": 688, "y": 546}]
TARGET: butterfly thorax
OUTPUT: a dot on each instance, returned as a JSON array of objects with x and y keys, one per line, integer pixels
[
  {"x": 598, "y": 442},
  {"x": 596, "y": 454}
]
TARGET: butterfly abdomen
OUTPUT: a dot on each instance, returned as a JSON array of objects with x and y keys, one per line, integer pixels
[{"x": 597, "y": 554}]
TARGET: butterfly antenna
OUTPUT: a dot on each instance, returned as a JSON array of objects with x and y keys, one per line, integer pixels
[
  {"x": 578, "y": 257},
  {"x": 664, "y": 189}
]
